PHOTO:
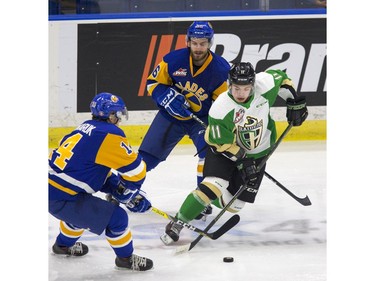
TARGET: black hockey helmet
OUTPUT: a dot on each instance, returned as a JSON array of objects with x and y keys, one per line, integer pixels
[{"x": 242, "y": 73}]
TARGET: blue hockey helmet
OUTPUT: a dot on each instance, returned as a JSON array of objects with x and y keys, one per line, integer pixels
[
  {"x": 105, "y": 104},
  {"x": 242, "y": 73},
  {"x": 200, "y": 29}
]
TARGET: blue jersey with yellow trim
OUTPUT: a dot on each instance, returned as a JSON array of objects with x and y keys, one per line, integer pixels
[
  {"x": 200, "y": 88},
  {"x": 85, "y": 158}
]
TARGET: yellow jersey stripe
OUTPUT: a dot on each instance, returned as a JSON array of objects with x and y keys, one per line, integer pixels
[
  {"x": 70, "y": 232},
  {"x": 60, "y": 187},
  {"x": 120, "y": 241}
]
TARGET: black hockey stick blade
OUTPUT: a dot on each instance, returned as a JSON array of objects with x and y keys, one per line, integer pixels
[
  {"x": 228, "y": 225},
  {"x": 303, "y": 201}
]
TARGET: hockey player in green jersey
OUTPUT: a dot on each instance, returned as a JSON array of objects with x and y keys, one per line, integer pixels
[{"x": 240, "y": 134}]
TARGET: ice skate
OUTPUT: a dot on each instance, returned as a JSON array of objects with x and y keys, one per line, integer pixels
[
  {"x": 205, "y": 213},
  {"x": 172, "y": 233},
  {"x": 134, "y": 262},
  {"x": 78, "y": 249}
]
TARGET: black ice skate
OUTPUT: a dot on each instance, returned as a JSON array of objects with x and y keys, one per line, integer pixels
[
  {"x": 172, "y": 233},
  {"x": 78, "y": 249},
  {"x": 203, "y": 215},
  {"x": 134, "y": 262}
]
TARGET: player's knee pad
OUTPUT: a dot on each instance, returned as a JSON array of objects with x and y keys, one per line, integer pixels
[
  {"x": 235, "y": 207},
  {"x": 213, "y": 187},
  {"x": 118, "y": 222}
]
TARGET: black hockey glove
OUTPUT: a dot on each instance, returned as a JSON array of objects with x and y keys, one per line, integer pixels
[
  {"x": 296, "y": 112},
  {"x": 248, "y": 170}
]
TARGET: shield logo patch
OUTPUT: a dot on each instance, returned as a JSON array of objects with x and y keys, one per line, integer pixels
[{"x": 250, "y": 134}]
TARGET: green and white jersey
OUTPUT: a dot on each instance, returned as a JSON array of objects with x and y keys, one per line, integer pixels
[{"x": 248, "y": 125}]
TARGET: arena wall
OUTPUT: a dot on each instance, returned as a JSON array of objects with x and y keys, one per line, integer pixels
[{"x": 117, "y": 54}]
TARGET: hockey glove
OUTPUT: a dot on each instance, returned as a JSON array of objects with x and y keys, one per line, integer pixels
[
  {"x": 125, "y": 192},
  {"x": 109, "y": 198},
  {"x": 248, "y": 170},
  {"x": 234, "y": 153},
  {"x": 174, "y": 103},
  {"x": 139, "y": 204},
  {"x": 296, "y": 112}
]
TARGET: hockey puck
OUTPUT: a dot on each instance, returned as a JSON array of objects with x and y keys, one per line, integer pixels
[{"x": 228, "y": 259}]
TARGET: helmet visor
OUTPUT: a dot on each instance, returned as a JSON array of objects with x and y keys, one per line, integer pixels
[{"x": 122, "y": 114}]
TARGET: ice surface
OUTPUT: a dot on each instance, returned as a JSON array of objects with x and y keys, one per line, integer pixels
[{"x": 277, "y": 239}]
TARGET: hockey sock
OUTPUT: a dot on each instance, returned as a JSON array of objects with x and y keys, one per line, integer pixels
[
  {"x": 118, "y": 233},
  {"x": 192, "y": 207},
  {"x": 69, "y": 234},
  {"x": 200, "y": 171},
  {"x": 217, "y": 203}
]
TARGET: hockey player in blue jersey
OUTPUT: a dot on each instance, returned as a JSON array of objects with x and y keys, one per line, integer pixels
[
  {"x": 186, "y": 81},
  {"x": 97, "y": 157}
]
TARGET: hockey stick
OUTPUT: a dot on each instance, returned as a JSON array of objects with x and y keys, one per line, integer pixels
[
  {"x": 190, "y": 246},
  {"x": 213, "y": 235},
  {"x": 196, "y": 118},
  {"x": 304, "y": 201},
  {"x": 229, "y": 224}
]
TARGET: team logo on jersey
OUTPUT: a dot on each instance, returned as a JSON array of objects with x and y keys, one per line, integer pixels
[
  {"x": 193, "y": 94},
  {"x": 239, "y": 115},
  {"x": 180, "y": 72},
  {"x": 250, "y": 134}
]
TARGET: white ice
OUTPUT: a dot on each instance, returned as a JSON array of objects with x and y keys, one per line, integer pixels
[{"x": 277, "y": 239}]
